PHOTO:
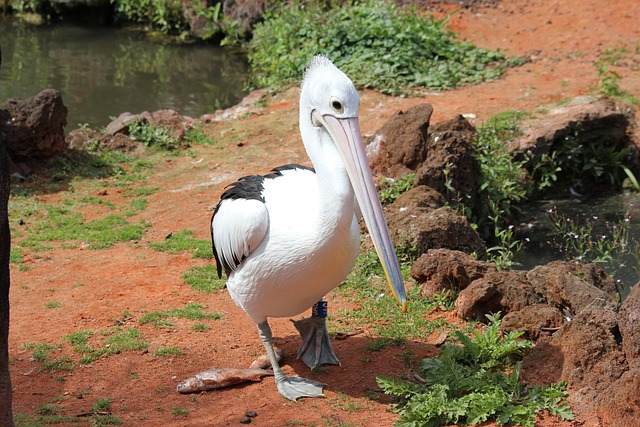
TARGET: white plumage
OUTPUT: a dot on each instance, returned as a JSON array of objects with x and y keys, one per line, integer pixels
[{"x": 287, "y": 238}]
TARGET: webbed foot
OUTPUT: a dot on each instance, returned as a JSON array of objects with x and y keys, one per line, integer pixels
[
  {"x": 316, "y": 348},
  {"x": 294, "y": 388}
]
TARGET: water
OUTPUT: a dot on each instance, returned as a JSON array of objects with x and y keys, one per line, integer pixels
[
  {"x": 602, "y": 212},
  {"x": 104, "y": 71}
]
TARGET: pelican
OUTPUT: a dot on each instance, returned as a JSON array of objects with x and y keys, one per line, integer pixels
[{"x": 287, "y": 238}]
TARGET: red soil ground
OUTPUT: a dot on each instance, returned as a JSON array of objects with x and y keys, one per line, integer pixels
[{"x": 562, "y": 37}]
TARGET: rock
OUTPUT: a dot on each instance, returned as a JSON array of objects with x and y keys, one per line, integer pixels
[
  {"x": 243, "y": 14},
  {"x": 400, "y": 146},
  {"x": 169, "y": 119},
  {"x": 573, "y": 285},
  {"x": 250, "y": 104},
  {"x": 121, "y": 123},
  {"x": 532, "y": 318},
  {"x": 441, "y": 269},
  {"x": 500, "y": 291},
  {"x": 586, "y": 118},
  {"x": 618, "y": 406},
  {"x": 450, "y": 166},
  {"x": 629, "y": 318},
  {"x": 586, "y": 353},
  {"x": 415, "y": 223},
  {"x": 36, "y": 129},
  {"x": 86, "y": 139}
]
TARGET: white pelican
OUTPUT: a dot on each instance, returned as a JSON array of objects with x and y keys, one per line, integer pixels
[{"x": 288, "y": 238}]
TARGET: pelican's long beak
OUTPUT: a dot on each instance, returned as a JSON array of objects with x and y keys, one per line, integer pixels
[{"x": 345, "y": 132}]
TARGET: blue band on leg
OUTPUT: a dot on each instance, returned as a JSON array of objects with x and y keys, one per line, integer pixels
[{"x": 319, "y": 309}]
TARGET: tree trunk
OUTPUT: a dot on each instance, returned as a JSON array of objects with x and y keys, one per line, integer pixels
[{"x": 6, "y": 417}]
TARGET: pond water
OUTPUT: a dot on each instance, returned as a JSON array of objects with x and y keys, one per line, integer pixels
[
  {"x": 617, "y": 211},
  {"x": 104, "y": 71}
]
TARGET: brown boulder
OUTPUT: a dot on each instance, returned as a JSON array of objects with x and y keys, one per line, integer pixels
[
  {"x": 416, "y": 224},
  {"x": 573, "y": 285},
  {"x": 630, "y": 324},
  {"x": 450, "y": 166},
  {"x": 534, "y": 321},
  {"x": 586, "y": 118},
  {"x": 443, "y": 269},
  {"x": 499, "y": 291},
  {"x": 36, "y": 129},
  {"x": 400, "y": 145}
]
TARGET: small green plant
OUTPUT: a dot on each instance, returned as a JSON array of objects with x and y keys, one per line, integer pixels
[
  {"x": 48, "y": 409},
  {"x": 178, "y": 411},
  {"x": 474, "y": 383},
  {"x": 102, "y": 405},
  {"x": 608, "y": 80},
  {"x": 52, "y": 304},
  {"x": 390, "y": 190},
  {"x": 184, "y": 241},
  {"x": 160, "y": 137},
  {"x": 200, "y": 327},
  {"x": 503, "y": 185}
]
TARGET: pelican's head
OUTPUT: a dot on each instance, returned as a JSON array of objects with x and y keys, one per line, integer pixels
[{"x": 329, "y": 113}]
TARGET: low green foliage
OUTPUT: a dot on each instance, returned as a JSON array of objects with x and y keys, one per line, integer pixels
[
  {"x": 159, "y": 137},
  {"x": 204, "y": 278},
  {"x": 165, "y": 15},
  {"x": 376, "y": 43},
  {"x": 608, "y": 81},
  {"x": 391, "y": 189},
  {"x": 474, "y": 383},
  {"x": 183, "y": 241}
]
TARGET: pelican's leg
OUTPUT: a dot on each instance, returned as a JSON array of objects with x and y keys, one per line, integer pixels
[
  {"x": 290, "y": 387},
  {"x": 316, "y": 347}
]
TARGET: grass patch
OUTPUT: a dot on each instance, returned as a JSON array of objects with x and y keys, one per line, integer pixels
[
  {"x": 52, "y": 304},
  {"x": 168, "y": 351},
  {"x": 376, "y": 43},
  {"x": 200, "y": 327},
  {"x": 62, "y": 223},
  {"x": 204, "y": 279},
  {"x": 192, "y": 311},
  {"x": 378, "y": 311},
  {"x": 183, "y": 241},
  {"x": 474, "y": 383}
]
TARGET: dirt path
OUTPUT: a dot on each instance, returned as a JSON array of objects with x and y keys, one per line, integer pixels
[{"x": 95, "y": 287}]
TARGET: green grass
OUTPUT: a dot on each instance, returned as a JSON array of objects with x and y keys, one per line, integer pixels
[
  {"x": 376, "y": 43},
  {"x": 378, "y": 311},
  {"x": 168, "y": 351},
  {"x": 192, "y": 311},
  {"x": 200, "y": 327},
  {"x": 204, "y": 278},
  {"x": 183, "y": 241},
  {"x": 52, "y": 304}
]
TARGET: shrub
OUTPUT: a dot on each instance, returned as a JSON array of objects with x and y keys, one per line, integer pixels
[{"x": 376, "y": 43}]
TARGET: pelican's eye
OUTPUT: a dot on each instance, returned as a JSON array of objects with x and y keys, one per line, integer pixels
[{"x": 336, "y": 105}]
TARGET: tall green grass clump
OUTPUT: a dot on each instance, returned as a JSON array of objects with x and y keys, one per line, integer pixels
[{"x": 376, "y": 43}]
